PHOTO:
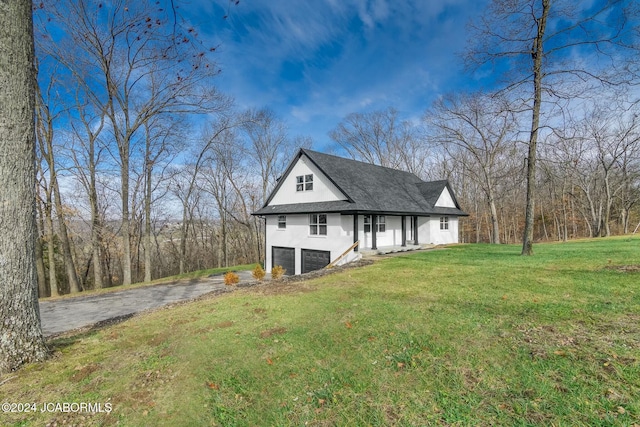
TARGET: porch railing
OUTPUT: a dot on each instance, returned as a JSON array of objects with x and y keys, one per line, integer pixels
[{"x": 335, "y": 261}]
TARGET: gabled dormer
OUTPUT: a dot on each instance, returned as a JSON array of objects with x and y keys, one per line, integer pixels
[{"x": 304, "y": 182}]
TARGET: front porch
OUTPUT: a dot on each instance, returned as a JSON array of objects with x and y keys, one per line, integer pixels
[{"x": 383, "y": 250}]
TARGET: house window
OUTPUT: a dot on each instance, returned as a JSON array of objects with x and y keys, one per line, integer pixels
[
  {"x": 304, "y": 182},
  {"x": 318, "y": 224},
  {"x": 282, "y": 221},
  {"x": 444, "y": 223},
  {"x": 381, "y": 225}
]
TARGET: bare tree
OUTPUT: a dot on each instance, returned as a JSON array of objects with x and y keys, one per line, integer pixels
[
  {"x": 21, "y": 339},
  {"x": 47, "y": 114},
  {"x": 602, "y": 150},
  {"x": 86, "y": 153},
  {"x": 185, "y": 182},
  {"x": 381, "y": 138},
  {"x": 536, "y": 41},
  {"x": 485, "y": 128},
  {"x": 268, "y": 145},
  {"x": 135, "y": 64}
]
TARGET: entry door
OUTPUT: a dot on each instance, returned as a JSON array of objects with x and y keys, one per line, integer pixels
[
  {"x": 314, "y": 260},
  {"x": 285, "y": 257}
]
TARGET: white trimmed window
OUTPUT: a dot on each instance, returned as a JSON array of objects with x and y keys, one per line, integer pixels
[
  {"x": 444, "y": 223},
  {"x": 304, "y": 182},
  {"x": 318, "y": 224},
  {"x": 381, "y": 225},
  {"x": 282, "y": 222}
]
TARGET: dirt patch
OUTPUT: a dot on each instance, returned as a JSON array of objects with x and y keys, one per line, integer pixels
[
  {"x": 82, "y": 372},
  {"x": 633, "y": 268},
  {"x": 159, "y": 339},
  {"x": 271, "y": 332},
  {"x": 226, "y": 324}
]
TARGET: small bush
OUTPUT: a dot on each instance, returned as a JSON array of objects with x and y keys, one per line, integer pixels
[
  {"x": 277, "y": 272},
  {"x": 258, "y": 272},
  {"x": 231, "y": 278}
]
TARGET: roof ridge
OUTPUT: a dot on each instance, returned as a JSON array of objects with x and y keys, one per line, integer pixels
[{"x": 306, "y": 150}]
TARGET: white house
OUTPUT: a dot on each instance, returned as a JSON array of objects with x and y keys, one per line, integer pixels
[{"x": 323, "y": 204}]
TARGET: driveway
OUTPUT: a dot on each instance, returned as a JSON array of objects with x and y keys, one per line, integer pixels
[{"x": 67, "y": 314}]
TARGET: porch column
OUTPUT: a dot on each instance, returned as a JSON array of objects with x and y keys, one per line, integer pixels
[
  {"x": 374, "y": 225},
  {"x": 403, "y": 222},
  {"x": 415, "y": 230},
  {"x": 355, "y": 231}
]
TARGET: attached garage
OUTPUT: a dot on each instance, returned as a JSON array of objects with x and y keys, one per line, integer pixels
[
  {"x": 314, "y": 260},
  {"x": 285, "y": 257}
]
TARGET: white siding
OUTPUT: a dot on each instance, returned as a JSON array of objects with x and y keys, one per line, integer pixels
[
  {"x": 323, "y": 188},
  {"x": 430, "y": 233},
  {"x": 296, "y": 235},
  {"x": 340, "y": 235},
  {"x": 445, "y": 200},
  {"x": 392, "y": 236}
]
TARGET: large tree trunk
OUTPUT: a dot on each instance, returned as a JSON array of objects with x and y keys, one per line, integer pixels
[
  {"x": 537, "y": 56},
  {"x": 21, "y": 339}
]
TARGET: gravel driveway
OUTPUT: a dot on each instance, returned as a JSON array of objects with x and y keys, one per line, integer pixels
[{"x": 67, "y": 314}]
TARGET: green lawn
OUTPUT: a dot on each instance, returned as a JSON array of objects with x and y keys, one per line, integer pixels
[{"x": 469, "y": 335}]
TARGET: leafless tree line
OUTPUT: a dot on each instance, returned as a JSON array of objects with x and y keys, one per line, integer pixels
[
  {"x": 144, "y": 168},
  {"x": 570, "y": 71},
  {"x": 588, "y": 179}
]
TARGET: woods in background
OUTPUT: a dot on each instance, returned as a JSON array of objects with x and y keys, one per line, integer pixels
[{"x": 145, "y": 169}]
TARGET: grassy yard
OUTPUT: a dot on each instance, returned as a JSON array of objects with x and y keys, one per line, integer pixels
[{"x": 470, "y": 335}]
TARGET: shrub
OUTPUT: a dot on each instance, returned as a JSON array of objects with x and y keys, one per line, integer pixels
[
  {"x": 231, "y": 278},
  {"x": 277, "y": 272},
  {"x": 258, "y": 272}
]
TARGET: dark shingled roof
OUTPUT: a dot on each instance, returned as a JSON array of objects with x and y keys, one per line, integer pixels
[{"x": 369, "y": 189}]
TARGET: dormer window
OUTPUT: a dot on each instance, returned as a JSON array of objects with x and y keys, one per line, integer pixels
[{"x": 304, "y": 182}]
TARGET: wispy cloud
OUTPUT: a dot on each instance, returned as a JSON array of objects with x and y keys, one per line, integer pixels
[{"x": 316, "y": 61}]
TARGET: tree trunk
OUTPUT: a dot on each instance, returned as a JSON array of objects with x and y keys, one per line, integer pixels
[
  {"x": 495, "y": 226},
  {"x": 537, "y": 56},
  {"x": 51, "y": 247},
  {"x": 126, "y": 227},
  {"x": 21, "y": 339},
  {"x": 147, "y": 229},
  {"x": 605, "y": 231},
  {"x": 43, "y": 291},
  {"x": 69, "y": 263},
  {"x": 96, "y": 243}
]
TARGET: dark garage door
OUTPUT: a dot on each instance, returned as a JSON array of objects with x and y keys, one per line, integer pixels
[
  {"x": 286, "y": 257},
  {"x": 314, "y": 260}
]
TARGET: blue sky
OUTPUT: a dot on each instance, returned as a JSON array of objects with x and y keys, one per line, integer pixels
[{"x": 315, "y": 61}]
